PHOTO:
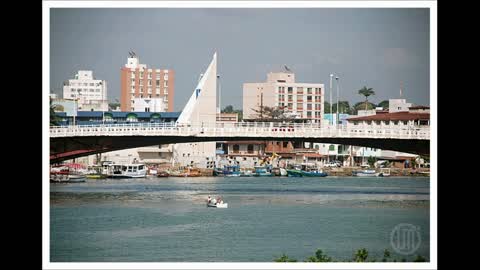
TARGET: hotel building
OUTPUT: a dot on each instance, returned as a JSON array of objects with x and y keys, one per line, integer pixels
[
  {"x": 140, "y": 82},
  {"x": 299, "y": 100},
  {"x": 91, "y": 94}
]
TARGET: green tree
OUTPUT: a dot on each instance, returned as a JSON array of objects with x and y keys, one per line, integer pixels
[
  {"x": 228, "y": 109},
  {"x": 343, "y": 107},
  {"x": 269, "y": 113},
  {"x": 361, "y": 255},
  {"x": 319, "y": 257},
  {"x": 371, "y": 161},
  {"x": 284, "y": 258},
  {"x": 420, "y": 259},
  {"x": 54, "y": 119},
  {"x": 366, "y": 92},
  {"x": 384, "y": 104},
  {"x": 386, "y": 255},
  {"x": 326, "y": 107},
  {"x": 361, "y": 106}
]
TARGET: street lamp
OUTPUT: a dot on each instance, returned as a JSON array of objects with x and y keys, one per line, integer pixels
[
  {"x": 331, "y": 108},
  {"x": 338, "y": 105},
  {"x": 219, "y": 95}
]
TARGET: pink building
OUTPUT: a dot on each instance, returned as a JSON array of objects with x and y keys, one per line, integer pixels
[{"x": 138, "y": 81}]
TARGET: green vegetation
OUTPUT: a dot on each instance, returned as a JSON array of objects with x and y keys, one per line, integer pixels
[
  {"x": 230, "y": 109},
  {"x": 361, "y": 255},
  {"x": 54, "y": 119},
  {"x": 384, "y": 104},
  {"x": 343, "y": 107},
  {"x": 266, "y": 113},
  {"x": 284, "y": 258},
  {"x": 366, "y": 92},
  {"x": 371, "y": 161}
]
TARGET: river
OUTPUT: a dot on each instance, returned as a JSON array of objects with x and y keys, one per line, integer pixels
[{"x": 166, "y": 219}]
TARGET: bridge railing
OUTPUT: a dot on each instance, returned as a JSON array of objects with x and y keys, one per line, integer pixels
[{"x": 249, "y": 129}]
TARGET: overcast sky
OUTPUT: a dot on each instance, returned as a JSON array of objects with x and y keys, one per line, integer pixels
[{"x": 377, "y": 48}]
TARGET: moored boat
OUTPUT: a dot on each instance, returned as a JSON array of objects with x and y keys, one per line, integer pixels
[
  {"x": 364, "y": 173},
  {"x": 126, "y": 170}
]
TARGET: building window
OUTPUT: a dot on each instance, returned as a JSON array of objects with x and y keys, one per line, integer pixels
[
  {"x": 309, "y": 91},
  {"x": 250, "y": 149},
  {"x": 157, "y": 82},
  {"x": 165, "y": 77},
  {"x": 149, "y": 82},
  {"x": 309, "y": 114},
  {"x": 290, "y": 90},
  {"x": 285, "y": 144},
  {"x": 299, "y": 90},
  {"x": 290, "y": 98},
  {"x": 147, "y": 109},
  {"x": 165, "y": 84},
  {"x": 309, "y": 98},
  {"x": 236, "y": 148}
]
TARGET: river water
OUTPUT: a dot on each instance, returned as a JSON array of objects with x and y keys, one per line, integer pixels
[{"x": 166, "y": 219}]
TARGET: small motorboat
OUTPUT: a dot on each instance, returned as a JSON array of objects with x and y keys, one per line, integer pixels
[{"x": 216, "y": 203}]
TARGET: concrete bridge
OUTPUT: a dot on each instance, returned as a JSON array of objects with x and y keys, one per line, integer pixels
[{"x": 76, "y": 141}]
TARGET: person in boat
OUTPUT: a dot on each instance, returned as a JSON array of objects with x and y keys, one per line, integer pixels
[{"x": 209, "y": 199}]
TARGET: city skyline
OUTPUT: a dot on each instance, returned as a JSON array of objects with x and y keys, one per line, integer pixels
[{"x": 378, "y": 48}]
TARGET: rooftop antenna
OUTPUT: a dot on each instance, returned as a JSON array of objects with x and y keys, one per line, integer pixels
[
  {"x": 286, "y": 68},
  {"x": 401, "y": 91}
]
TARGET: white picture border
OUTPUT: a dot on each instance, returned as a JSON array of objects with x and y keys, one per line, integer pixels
[{"x": 47, "y": 5}]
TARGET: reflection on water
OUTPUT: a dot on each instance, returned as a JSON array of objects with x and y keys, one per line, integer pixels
[{"x": 166, "y": 219}]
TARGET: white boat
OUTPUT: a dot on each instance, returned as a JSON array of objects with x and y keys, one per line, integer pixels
[
  {"x": 365, "y": 173},
  {"x": 218, "y": 205},
  {"x": 125, "y": 170}
]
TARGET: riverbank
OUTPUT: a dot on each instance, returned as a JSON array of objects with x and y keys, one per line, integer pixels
[{"x": 348, "y": 171}]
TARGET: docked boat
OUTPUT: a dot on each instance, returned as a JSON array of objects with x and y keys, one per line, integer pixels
[
  {"x": 262, "y": 171},
  {"x": 187, "y": 172},
  {"x": 306, "y": 171},
  {"x": 279, "y": 172},
  {"x": 302, "y": 173},
  {"x": 63, "y": 174},
  {"x": 96, "y": 176},
  {"x": 314, "y": 173},
  {"x": 364, "y": 173},
  {"x": 163, "y": 174},
  {"x": 126, "y": 170}
]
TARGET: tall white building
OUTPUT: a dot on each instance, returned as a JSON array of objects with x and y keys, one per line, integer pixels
[
  {"x": 90, "y": 93},
  {"x": 299, "y": 100}
]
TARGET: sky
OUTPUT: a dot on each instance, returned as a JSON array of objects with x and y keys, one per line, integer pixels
[{"x": 373, "y": 47}]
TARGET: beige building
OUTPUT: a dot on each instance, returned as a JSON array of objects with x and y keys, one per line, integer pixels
[{"x": 299, "y": 100}]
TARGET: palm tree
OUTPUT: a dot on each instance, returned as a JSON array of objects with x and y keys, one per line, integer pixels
[
  {"x": 366, "y": 92},
  {"x": 54, "y": 119}
]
